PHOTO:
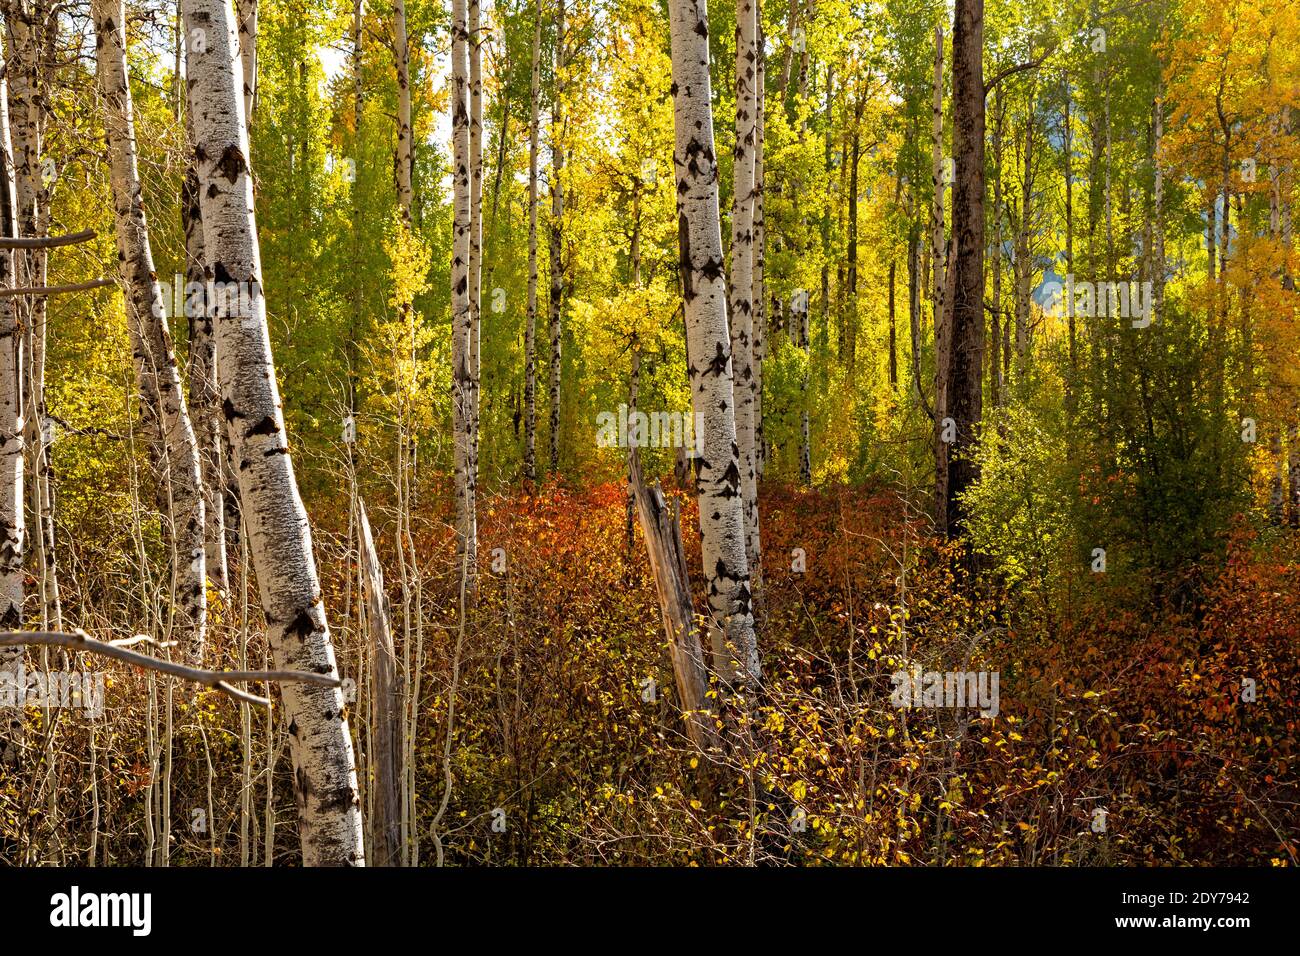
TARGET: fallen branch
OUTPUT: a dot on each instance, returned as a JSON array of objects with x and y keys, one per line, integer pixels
[
  {"x": 47, "y": 242},
  {"x": 219, "y": 680}
]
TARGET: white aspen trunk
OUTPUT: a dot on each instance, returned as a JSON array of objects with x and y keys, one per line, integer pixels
[
  {"x": 202, "y": 373},
  {"x": 325, "y": 780},
  {"x": 405, "y": 153},
  {"x": 248, "y": 54},
  {"x": 475, "y": 273},
  {"x": 25, "y": 22},
  {"x": 1158, "y": 280},
  {"x": 722, "y": 521},
  {"x": 530, "y": 331},
  {"x": 937, "y": 256},
  {"x": 557, "y": 236},
  {"x": 461, "y": 308},
  {"x": 166, "y": 421},
  {"x": 13, "y": 529},
  {"x": 742, "y": 275},
  {"x": 757, "y": 301}
]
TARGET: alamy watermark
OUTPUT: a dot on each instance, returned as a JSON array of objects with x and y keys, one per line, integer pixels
[
  {"x": 1127, "y": 300},
  {"x": 950, "y": 689},
  {"x": 50, "y": 690},
  {"x": 638, "y": 429}
]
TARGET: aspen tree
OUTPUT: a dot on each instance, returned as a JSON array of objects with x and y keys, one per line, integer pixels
[
  {"x": 279, "y": 537},
  {"x": 165, "y": 418},
  {"x": 722, "y": 521},
  {"x": 530, "y": 332}
]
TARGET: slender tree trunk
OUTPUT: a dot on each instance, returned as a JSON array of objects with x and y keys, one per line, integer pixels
[
  {"x": 722, "y": 520},
  {"x": 742, "y": 276},
  {"x": 557, "y": 236},
  {"x": 470, "y": 532},
  {"x": 25, "y": 23},
  {"x": 937, "y": 257},
  {"x": 248, "y": 55},
  {"x": 162, "y": 404},
  {"x": 202, "y": 374},
  {"x": 404, "y": 161},
  {"x": 965, "y": 383},
  {"x": 461, "y": 295},
  {"x": 325, "y": 779},
  {"x": 13, "y": 528},
  {"x": 757, "y": 300},
  {"x": 530, "y": 331}
]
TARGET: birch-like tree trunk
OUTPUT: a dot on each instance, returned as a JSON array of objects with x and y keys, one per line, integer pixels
[
  {"x": 166, "y": 422},
  {"x": 475, "y": 271},
  {"x": 403, "y": 161},
  {"x": 248, "y": 54},
  {"x": 325, "y": 779},
  {"x": 461, "y": 307},
  {"x": 742, "y": 274},
  {"x": 757, "y": 299},
  {"x": 557, "y": 236},
  {"x": 530, "y": 331},
  {"x": 13, "y": 527},
  {"x": 202, "y": 373},
  {"x": 718, "y": 484},
  {"x": 27, "y": 40},
  {"x": 938, "y": 254}
]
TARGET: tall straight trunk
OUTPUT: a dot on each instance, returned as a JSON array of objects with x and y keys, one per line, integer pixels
[
  {"x": 942, "y": 337},
  {"x": 851, "y": 321},
  {"x": 1068, "y": 160},
  {"x": 757, "y": 301},
  {"x": 13, "y": 526},
  {"x": 722, "y": 519},
  {"x": 279, "y": 537},
  {"x": 965, "y": 382},
  {"x": 470, "y": 532},
  {"x": 404, "y": 161},
  {"x": 742, "y": 274},
  {"x": 26, "y": 41},
  {"x": 1023, "y": 263},
  {"x": 202, "y": 375},
  {"x": 248, "y": 54},
  {"x": 1158, "y": 227},
  {"x": 461, "y": 307},
  {"x": 166, "y": 421},
  {"x": 530, "y": 330},
  {"x": 557, "y": 236},
  {"x": 995, "y": 267}
]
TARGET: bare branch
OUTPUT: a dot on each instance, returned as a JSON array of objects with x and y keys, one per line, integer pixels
[{"x": 219, "y": 680}]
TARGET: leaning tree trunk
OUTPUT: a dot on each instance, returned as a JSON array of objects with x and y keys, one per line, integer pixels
[
  {"x": 965, "y": 378},
  {"x": 385, "y": 706},
  {"x": 722, "y": 520},
  {"x": 325, "y": 778},
  {"x": 461, "y": 307},
  {"x": 13, "y": 529},
  {"x": 557, "y": 236},
  {"x": 742, "y": 275},
  {"x": 166, "y": 422},
  {"x": 530, "y": 333}
]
